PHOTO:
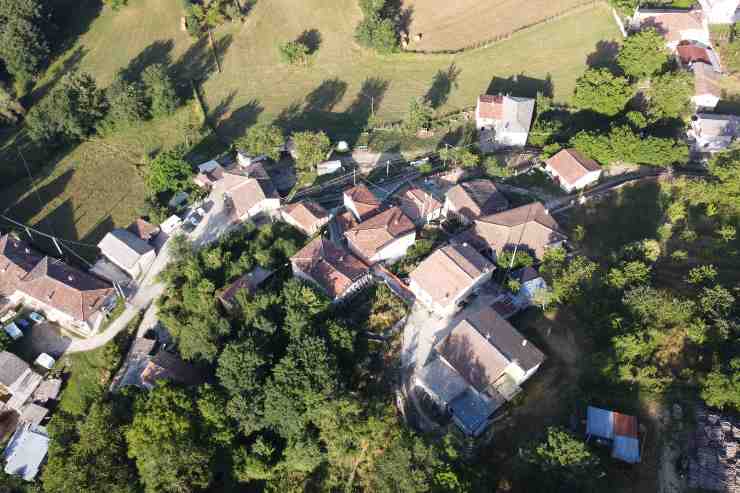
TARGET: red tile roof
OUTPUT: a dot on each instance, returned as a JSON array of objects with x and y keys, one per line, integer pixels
[
  {"x": 625, "y": 425},
  {"x": 689, "y": 53},
  {"x": 143, "y": 229},
  {"x": 477, "y": 198},
  {"x": 364, "y": 200},
  {"x": 372, "y": 235},
  {"x": 330, "y": 266},
  {"x": 307, "y": 213},
  {"x": 491, "y": 107},
  {"x": 571, "y": 165}
]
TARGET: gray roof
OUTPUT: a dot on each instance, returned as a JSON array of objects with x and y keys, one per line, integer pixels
[
  {"x": 33, "y": 414},
  {"x": 26, "y": 451},
  {"x": 441, "y": 379},
  {"x": 518, "y": 114},
  {"x": 11, "y": 368},
  {"x": 47, "y": 390},
  {"x": 123, "y": 247},
  {"x": 714, "y": 125}
]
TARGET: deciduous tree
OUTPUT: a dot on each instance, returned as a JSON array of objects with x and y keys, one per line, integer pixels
[
  {"x": 643, "y": 54},
  {"x": 601, "y": 91},
  {"x": 262, "y": 140}
]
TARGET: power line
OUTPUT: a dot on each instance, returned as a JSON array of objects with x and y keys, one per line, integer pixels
[
  {"x": 47, "y": 235},
  {"x": 33, "y": 185}
]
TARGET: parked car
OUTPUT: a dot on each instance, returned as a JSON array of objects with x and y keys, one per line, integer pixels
[
  {"x": 188, "y": 227},
  {"x": 37, "y": 317},
  {"x": 201, "y": 212},
  {"x": 193, "y": 219}
]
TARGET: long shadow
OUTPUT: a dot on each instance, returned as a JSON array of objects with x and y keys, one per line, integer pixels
[
  {"x": 521, "y": 85},
  {"x": 442, "y": 84},
  {"x": 30, "y": 205},
  {"x": 103, "y": 226},
  {"x": 70, "y": 63},
  {"x": 326, "y": 96},
  {"x": 197, "y": 63},
  {"x": 222, "y": 108},
  {"x": 368, "y": 100},
  {"x": 236, "y": 122},
  {"x": 72, "y": 19},
  {"x": 605, "y": 55},
  {"x": 157, "y": 52}
]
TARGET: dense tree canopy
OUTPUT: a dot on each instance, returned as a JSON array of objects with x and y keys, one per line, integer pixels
[
  {"x": 24, "y": 47},
  {"x": 168, "y": 172},
  {"x": 601, "y": 91},
  {"x": 160, "y": 91},
  {"x": 311, "y": 148},
  {"x": 262, "y": 140},
  {"x": 643, "y": 54}
]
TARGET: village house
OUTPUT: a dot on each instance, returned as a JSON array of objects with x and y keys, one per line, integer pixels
[
  {"x": 67, "y": 296},
  {"x": 17, "y": 381},
  {"x": 208, "y": 174},
  {"x": 711, "y": 132},
  {"x": 446, "y": 278},
  {"x": 383, "y": 237},
  {"x": 503, "y": 120},
  {"x": 721, "y": 11},
  {"x": 143, "y": 230},
  {"x": 707, "y": 91},
  {"x": 306, "y": 215},
  {"x": 477, "y": 368},
  {"x": 129, "y": 252},
  {"x": 26, "y": 451},
  {"x": 420, "y": 206},
  {"x": 617, "y": 428},
  {"x": 471, "y": 199},
  {"x": 247, "y": 283},
  {"x": 336, "y": 272},
  {"x": 528, "y": 228},
  {"x": 249, "y": 196},
  {"x": 572, "y": 170},
  {"x": 169, "y": 367},
  {"x": 361, "y": 202},
  {"x": 675, "y": 25}
]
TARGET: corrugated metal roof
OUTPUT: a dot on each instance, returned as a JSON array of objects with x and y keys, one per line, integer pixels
[
  {"x": 599, "y": 422},
  {"x": 627, "y": 449}
]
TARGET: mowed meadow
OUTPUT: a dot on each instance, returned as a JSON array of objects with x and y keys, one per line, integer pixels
[{"x": 97, "y": 185}]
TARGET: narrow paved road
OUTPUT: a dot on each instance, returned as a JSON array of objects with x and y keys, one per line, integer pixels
[{"x": 212, "y": 226}]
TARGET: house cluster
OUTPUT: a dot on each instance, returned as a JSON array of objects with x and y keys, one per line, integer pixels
[
  {"x": 687, "y": 36},
  {"x": 25, "y": 400},
  {"x": 67, "y": 296}
]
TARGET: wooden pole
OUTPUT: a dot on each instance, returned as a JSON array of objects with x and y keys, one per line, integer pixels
[{"x": 213, "y": 47}]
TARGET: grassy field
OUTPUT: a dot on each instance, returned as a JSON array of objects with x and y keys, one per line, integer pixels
[
  {"x": 446, "y": 25},
  {"x": 87, "y": 190}
]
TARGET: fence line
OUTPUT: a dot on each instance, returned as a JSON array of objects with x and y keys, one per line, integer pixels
[{"x": 508, "y": 35}]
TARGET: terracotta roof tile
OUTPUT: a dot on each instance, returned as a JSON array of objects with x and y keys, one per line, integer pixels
[
  {"x": 571, "y": 165},
  {"x": 529, "y": 225},
  {"x": 330, "y": 266},
  {"x": 671, "y": 23},
  {"x": 706, "y": 80},
  {"x": 372, "y": 235},
  {"x": 449, "y": 271},
  {"x": 417, "y": 203},
  {"x": 477, "y": 198},
  {"x": 307, "y": 213},
  {"x": 143, "y": 229},
  {"x": 365, "y": 201},
  {"x": 491, "y": 107}
]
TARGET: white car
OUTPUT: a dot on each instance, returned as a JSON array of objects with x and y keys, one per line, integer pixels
[{"x": 201, "y": 212}]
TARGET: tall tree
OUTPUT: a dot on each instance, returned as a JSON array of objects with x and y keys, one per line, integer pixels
[
  {"x": 601, "y": 91},
  {"x": 23, "y": 44},
  {"x": 670, "y": 95},
  {"x": 311, "y": 148},
  {"x": 262, "y": 140},
  {"x": 160, "y": 90},
  {"x": 643, "y": 54},
  {"x": 165, "y": 439},
  {"x": 168, "y": 172},
  {"x": 69, "y": 112},
  {"x": 126, "y": 103}
]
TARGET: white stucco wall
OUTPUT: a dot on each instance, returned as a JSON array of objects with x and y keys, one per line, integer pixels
[{"x": 396, "y": 249}]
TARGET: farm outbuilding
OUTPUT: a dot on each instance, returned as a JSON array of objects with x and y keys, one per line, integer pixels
[{"x": 620, "y": 429}]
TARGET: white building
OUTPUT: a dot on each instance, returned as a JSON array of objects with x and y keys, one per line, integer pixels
[
  {"x": 26, "y": 451},
  {"x": 128, "y": 252},
  {"x": 386, "y": 236},
  {"x": 712, "y": 133},
  {"x": 249, "y": 196},
  {"x": 446, "y": 278},
  {"x": 503, "y": 121},
  {"x": 572, "y": 170},
  {"x": 420, "y": 205},
  {"x": 721, "y": 11},
  {"x": 306, "y": 215}
]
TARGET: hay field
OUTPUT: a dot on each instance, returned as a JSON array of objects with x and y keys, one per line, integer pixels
[{"x": 455, "y": 24}]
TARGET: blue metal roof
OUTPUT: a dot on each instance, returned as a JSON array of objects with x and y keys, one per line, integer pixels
[
  {"x": 626, "y": 448},
  {"x": 599, "y": 423},
  {"x": 471, "y": 411}
]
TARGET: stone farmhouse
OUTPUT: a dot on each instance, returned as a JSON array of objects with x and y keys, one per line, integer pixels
[{"x": 503, "y": 120}]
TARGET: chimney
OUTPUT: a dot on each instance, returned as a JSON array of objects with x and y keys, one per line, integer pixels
[
  {"x": 28, "y": 251},
  {"x": 70, "y": 278},
  {"x": 524, "y": 342}
]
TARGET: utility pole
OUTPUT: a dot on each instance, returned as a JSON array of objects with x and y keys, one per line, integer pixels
[{"x": 387, "y": 168}]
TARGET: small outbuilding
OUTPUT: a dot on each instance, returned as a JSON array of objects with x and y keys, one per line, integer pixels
[
  {"x": 620, "y": 429},
  {"x": 572, "y": 170},
  {"x": 127, "y": 251},
  {"x": 26, "y": 451}
]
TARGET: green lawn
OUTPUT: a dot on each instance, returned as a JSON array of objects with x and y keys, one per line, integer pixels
[{"x": 87, "y": 190}]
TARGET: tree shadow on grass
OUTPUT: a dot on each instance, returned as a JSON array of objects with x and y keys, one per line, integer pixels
[
  {"x": 311, "y": 39},
  {"x": 521, "y": 85},
  {"x": 158, "y": 52},
  {"x": 605, "y": 55},
  {"x": 197, "y": 63},
  {"x": 70, "y": 64},
  {"x": 235, "y": 123},
  {"x": 443, "y": 83},
  {"x": 326, "y": 96},
  {"x": 73, "y": 18},
  {"x": 368, "y": 99}
]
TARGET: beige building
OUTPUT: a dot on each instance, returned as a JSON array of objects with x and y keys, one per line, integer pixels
[
  {"x": 386, "y": 236},
  {"x": 361, "y": 202},
  {"x": 572, "y": 170},
  {"x": 306, "y": 215},
  {"x": 472, "y": 199},
  {"x": 447, "y": 277}
]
